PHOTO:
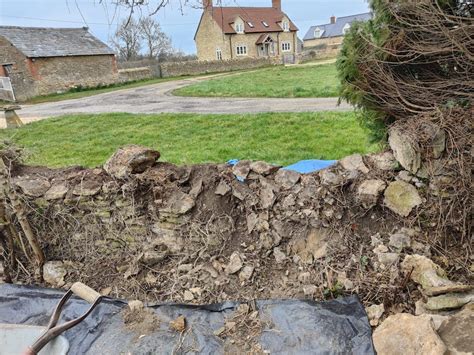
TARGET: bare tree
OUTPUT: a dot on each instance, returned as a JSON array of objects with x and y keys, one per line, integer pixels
[
  {"x": 127, "y": 40},
  {"x": 157, "y": 42}
]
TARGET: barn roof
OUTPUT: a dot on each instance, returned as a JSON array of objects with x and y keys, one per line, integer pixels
[
  {"x": 252, "y": 16},
  {"x": 336, "y": 29},
  {"x": 40, "y": 42}
]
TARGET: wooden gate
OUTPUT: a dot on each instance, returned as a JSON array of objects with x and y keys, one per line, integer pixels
[{"x": 6, "y": 89}]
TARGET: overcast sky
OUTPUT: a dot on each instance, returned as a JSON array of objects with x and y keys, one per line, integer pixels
[{"x": 102, "y": 18}]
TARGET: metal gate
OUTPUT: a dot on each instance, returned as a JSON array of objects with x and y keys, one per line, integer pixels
[{"x": 6, "y": 89}]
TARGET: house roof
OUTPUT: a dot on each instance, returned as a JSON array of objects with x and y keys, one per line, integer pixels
[
  {"x": 225, "y": 17},
  {"x": 39, "y": 42},
  {"x": 336, "y": 29}
]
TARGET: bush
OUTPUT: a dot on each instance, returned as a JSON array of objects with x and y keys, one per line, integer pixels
[{"x": 411, "y": 58}]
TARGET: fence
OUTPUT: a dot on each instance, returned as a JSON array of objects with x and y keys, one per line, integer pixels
[{"x": 6, "y": 89}]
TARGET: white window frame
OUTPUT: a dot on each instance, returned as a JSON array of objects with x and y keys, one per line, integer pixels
[
  {"x": 346, "y": 28},
  {"x": 286, "y": 26},
  {"x": 241, "y": 50},
  {"x": 286, "y": 46},
  {"x": 239, "y": 27},
  {"x": 319, "y": 31},
  {"x": 218, "y": 54}
]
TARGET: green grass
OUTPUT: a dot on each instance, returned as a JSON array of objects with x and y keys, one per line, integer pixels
[
  {"x": 85, "y": 92},
  {"x": 291, "y": 81},
  {"x": 282, "y": 138}
]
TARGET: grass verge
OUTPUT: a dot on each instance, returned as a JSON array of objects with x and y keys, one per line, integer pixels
[
  {"x": 281, "y": 138},
  {"x": 280, "y": 81},
  {"x": 85, "y": 92}
]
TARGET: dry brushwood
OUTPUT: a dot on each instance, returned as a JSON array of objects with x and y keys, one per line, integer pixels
[
  {"x": 425, "y": 64},
  {"x": 8, "y": 195}
]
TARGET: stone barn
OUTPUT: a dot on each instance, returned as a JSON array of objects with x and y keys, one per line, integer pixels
[{"x": 41, "y": 61}]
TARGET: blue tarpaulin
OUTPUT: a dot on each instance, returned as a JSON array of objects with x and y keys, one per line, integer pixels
[
  {"x": 310, "y": 166},
  {"x": 303, "y": 166}
]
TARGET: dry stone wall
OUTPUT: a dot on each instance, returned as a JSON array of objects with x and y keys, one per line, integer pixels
[{"x": 206, "y": 233}]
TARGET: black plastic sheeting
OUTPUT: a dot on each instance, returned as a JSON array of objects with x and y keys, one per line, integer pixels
[{"x": 292, "y": 326}]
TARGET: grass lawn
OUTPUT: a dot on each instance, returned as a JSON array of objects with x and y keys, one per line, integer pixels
[
  {"x": 68, "y": 95},
  {"x": 88, "y": 140},
  {"x": 280, "y": 81}
]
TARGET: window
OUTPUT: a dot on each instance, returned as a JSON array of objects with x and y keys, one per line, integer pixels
[
  {"x": 250, "y": 24},
  {"x": 264, "y": 23},
  {"x": 286, "y": 26},
  {"x": 219, "y": 54},
  {"x": 8, "y": 69},
  {"x": 239, "y": 27},
  {"x": 318, "y": 33},
  {"x": 346, "y": 28},
  {"x": 286, "y": 46},
  {"x": 241, "y": 49}
]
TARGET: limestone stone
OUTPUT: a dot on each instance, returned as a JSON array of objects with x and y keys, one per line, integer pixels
[
  {"x": 329, "y": 178},
  {"x": 312, "y": 247},
  {"x": 54, "y": 273},
  {"x": 267, "y": 197},
  {"x": 424, "y": 271},
  {"x": 87, "y": 188},
  {"x": 457, "y": 332},
  {"x": 235, "y": 264},
  {"x": 246, "y": 273},
  {"x": 56, "y": 192},
  {"x": 401, "y": 198},
  {"x": 374, "y": 312},
  {"x": 188, "y": 296},
  {"x": 130, "y": 159},
  {"x": 354, "y": 162},
  {"x": 449, "y": 301},
  {"x": 279, "y": 255},
  {"x": 223, "y": 189},
  {"x": 406, "y": 334},
  {"x": 263, "y": 168},
  {"x": 387, "y": 259},
  {"x": 399, "y": 241},
  {"x": 181, "y": 203},
  {"x": 309, "y": 290},
  {"x": 383, "y": 161},
  {"x": 136, "y": 305},
  {"x": 241, "y": 169},
  {"x": 405, "y": 149},
  {"x": 153, "y": 256},
  {"x": 369, "y": 192},
  {"x": 34, "y": 187},
  {"x": 287, "y": 178}
]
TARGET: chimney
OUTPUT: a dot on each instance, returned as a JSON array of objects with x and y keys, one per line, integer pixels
[
  {"x": 207, "y": 4},
  {"x": 333, "y": 19},
  {"x": 276, "y": 4}
]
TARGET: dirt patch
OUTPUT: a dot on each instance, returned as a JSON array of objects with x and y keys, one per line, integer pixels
[{"x": 140, "y": 320}]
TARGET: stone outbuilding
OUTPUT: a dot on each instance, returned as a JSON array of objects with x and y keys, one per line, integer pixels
[
  {"x": 226, "y": 33},
  {"x": 41, "y": 61},
  {"x": 328, "y": 37}
]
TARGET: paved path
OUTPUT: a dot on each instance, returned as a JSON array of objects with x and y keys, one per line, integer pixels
[{"x": 157, "y": 98}]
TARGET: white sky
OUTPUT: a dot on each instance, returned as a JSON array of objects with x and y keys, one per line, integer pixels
[{"x": 102, "y": 19}]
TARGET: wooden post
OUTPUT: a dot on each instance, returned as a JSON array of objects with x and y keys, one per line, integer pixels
[{"x": 11, "y": 118}]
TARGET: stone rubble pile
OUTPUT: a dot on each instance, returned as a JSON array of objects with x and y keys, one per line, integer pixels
[{"x": 209, "y": 233}]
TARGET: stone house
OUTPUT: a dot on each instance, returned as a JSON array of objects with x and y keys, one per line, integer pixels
[
  {"x": 42, "y": 61},
  {"x": 226, "y": 33},
  {"x": 328, "y": 37}
]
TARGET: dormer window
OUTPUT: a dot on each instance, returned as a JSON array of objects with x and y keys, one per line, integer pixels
[
  {"x": 286, "y": 26},
  {"x": 318, "y": 33},
  {"x": 346, "y": 28},
  {"x": 239, "y": 27},
  {"x": 265, "y": 24},
  {"x": 250, "y": 24}
]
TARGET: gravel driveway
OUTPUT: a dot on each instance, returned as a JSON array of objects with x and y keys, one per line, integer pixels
[{"x": 157, "y": 98}]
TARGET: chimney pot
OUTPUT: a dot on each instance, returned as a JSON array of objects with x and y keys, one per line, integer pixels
[
  {"x": 333, "y": 19},
  {"x": 276, "y": 4}
]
